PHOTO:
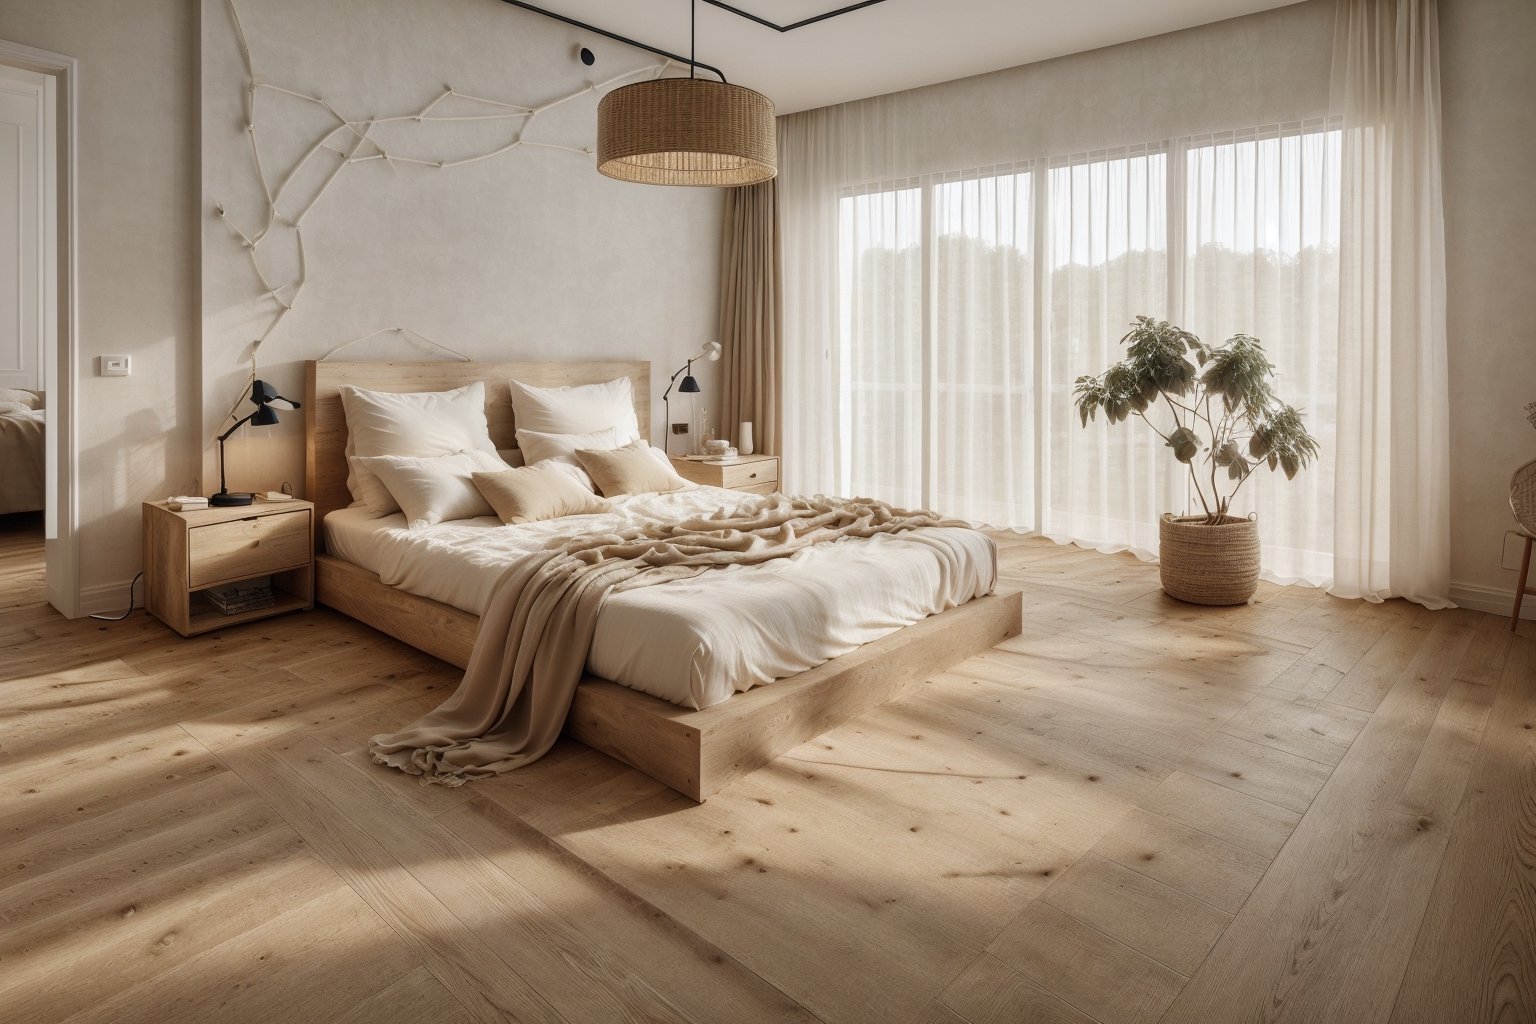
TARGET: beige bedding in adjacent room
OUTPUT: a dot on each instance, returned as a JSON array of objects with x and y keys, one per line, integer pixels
[
  {"x": 692, "y": 642},
  {"x": 21, "y": 460}
]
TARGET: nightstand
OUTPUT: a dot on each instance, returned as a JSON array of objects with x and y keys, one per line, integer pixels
[
  {"x": 185, "y": 553},
  {"x": 757, "y": 474}
]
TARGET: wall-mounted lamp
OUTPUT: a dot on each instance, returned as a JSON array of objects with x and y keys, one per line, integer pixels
[{"x": 689, "y": 386}]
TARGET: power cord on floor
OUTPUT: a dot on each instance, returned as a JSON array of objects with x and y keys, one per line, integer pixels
[{"x": 120, "y": 618}]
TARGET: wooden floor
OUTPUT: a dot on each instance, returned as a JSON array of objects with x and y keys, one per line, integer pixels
[{"x": 1304, "y": 809}]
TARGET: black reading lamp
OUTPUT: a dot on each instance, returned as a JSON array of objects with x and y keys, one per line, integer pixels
[
  {"x": 262, "y": 394},
  {"x": 689, "y": 386}
]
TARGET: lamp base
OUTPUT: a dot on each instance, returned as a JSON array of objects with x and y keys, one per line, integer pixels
[{"x": 226, "y": 499}]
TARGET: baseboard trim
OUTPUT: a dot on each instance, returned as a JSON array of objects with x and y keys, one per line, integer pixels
[
  {"x": 108, "y": 598},
  {"x": 1491, "y": 599}
]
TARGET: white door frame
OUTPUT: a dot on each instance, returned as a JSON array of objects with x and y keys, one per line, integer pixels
[{"x": 61, "y": 329}]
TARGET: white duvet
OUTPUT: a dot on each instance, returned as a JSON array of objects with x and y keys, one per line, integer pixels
[{"x": 692, "y": 642}]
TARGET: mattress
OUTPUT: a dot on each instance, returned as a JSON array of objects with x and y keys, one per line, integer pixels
[{"x": 693, "y": 642}]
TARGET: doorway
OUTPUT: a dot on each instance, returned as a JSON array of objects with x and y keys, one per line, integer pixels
[{"x": 37, "y": 319}]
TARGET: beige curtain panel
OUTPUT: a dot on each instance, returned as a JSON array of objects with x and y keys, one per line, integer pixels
[{"x": 751, "y": 314}]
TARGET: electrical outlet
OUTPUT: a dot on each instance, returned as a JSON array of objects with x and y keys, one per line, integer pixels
[
  {"x": 116, "y": 366},
  {"x": 679, "y": 428}
]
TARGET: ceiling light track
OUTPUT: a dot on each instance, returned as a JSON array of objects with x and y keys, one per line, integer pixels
[
  {"x": 648, "y": 48},
  {"x": 792, "y": 25}
]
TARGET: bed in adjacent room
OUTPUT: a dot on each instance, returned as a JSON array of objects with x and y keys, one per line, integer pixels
[
  {"x": 22, "y": 483},
  {"x": 694, "y": 681}
]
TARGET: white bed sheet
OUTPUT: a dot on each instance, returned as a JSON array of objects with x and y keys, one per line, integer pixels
[{"x": 692, "y": 642}]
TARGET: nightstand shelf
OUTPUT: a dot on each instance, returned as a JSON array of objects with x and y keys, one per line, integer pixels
[
  {"x": 756, "y": 474},
  {"x": 186, "y": 553}
]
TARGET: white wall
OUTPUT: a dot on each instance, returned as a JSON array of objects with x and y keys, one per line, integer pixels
[
  {"x": 532, "y": 255},
  {"x": 527, "y": 255},
  {"x": 137, "y": 259},
  {"x": 1488, "y": 102}
]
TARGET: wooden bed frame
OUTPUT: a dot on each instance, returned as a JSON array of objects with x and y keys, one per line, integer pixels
[{"x": 694, "y": 752}]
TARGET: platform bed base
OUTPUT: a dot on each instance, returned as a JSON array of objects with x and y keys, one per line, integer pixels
[{"x": 699, "y": 752}]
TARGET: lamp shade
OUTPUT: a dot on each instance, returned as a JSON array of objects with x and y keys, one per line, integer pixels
[
  {"x": 264, "y": 416},
  {"x": 686, "y": 131},
  {"x": 689, "y": 385}
]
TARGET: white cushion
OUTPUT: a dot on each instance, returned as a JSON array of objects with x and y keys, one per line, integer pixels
[
  {"x": 576, "y": 410},
  {"x": 538, "y": 447},
  {"x": 14, "y": 408},
  {"x": 436, "y": 488},
  {"x": 415, "y": 425}
]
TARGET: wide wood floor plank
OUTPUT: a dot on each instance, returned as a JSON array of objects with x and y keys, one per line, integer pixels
[
  {"x": 1167, "y": 924},
  {"x": 991, "y": 992},
  {"x": 1253, "y": 824},
  {"x": 703, "y": 978},
  {"x": 1474, "y": 958},
  {"x": 1189, "y": 860},
  {"x": 1105, "y": 979},
  {"x": 1327, "y": 933},
  {"x": 581, "y": 979}
]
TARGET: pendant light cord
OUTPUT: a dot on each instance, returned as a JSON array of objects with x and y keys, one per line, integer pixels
[{"x": 693, "y": 48}]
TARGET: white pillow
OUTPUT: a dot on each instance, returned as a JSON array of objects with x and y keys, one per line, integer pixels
[
  {"x": 14, "y": 409},
  {"x": 576, "y": 410},
  {"x": 538, "y": 447},
  {"x": 437, "y": 488},
  {"x": 415, "y": 425}
]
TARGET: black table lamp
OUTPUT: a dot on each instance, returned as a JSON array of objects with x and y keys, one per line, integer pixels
[
  {"x": 262, "y": 394},
  {"x": 689, "y": 386}
]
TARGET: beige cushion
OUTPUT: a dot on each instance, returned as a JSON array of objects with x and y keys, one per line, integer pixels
[
  {"x": 435, "y": 489},
  {"x": 546, "y": 491},
  {"x": 634, "y": 469},
  {"x": 417, "y": 425},
  {"x": 22, "y": 396},
  {"x": 576, "y": 410}
]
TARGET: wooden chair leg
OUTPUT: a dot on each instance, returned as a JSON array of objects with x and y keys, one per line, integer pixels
[{"x": 1521, "y": 584}]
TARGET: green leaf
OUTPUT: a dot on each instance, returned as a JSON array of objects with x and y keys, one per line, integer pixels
[{"x": 1185, "y": 444}]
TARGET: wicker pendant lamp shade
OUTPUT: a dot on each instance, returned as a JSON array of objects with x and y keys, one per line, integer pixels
[{"x": 686, "y": 131}]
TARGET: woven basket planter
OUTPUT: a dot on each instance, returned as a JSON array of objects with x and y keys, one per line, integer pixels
[{"x": 1205, "y": 564}]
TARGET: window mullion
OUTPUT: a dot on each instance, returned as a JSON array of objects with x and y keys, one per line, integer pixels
[{"x": 930, "y": 365}]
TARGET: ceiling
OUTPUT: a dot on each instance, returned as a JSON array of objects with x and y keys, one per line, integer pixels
[{"x": 893, "y": 45}]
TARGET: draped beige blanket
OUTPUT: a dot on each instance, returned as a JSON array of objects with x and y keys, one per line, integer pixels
[{"x": 537, "y": 630}]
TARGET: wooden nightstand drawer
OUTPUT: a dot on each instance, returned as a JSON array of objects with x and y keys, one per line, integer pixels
[
  {"x": 185, "y": 553},
  {"x": 750, "y": 474},
  {"x": 756, "y": 473},
  {"x": 247, "y": 547}
]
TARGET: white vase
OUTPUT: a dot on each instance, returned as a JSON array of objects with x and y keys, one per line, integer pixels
[{"x": 744, "y": 437}]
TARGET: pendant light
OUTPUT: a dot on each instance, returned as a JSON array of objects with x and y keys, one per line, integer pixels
[{"x": 687, "y": 131}]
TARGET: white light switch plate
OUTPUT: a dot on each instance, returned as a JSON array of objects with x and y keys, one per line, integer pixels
[{"x": 116, "y": 366}]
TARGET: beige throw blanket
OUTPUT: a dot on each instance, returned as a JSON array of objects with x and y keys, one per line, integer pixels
[{"x": 537, "y": 630}]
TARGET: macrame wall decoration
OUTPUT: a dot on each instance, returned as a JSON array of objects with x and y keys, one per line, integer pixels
[{"x": 347, "y": 143}]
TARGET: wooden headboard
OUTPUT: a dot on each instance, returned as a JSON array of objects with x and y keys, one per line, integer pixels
[{"x": 325, "y": 461}]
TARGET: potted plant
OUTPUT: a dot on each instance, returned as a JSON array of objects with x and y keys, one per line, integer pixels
[{"x": 1221, "y": 406}]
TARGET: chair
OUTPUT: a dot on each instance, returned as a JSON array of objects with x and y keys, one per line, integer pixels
[{"x": 1522, "y": 501}]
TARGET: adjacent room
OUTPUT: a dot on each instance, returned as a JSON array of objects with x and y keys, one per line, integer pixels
[{"x": 804, "y": 511}]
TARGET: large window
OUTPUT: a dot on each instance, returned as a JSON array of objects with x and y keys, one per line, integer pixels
[{"x": 969, "y": 302}]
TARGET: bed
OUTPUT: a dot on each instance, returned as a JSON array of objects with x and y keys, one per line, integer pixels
[
  {"x": 21, "y": 451},
  {"x": 692, "y": 710}
]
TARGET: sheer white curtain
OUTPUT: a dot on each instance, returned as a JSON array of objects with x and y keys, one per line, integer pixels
[
  {"x": 936, "y": 319},
  {"x": 1106, "y": 236},
  {"x": 1261, "y": 243},
  {"x": 1392, "y": 481}
]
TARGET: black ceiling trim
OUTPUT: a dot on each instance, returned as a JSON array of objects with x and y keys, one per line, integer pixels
[
  {"x": 792, "y": 25},
  {"x": 647, "y": 47}
]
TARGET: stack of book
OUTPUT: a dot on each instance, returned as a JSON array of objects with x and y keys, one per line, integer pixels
[{"x": 245, "y": 596}]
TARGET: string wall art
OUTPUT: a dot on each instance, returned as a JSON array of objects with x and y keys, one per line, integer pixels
[{"x": 345, "y": 142}]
